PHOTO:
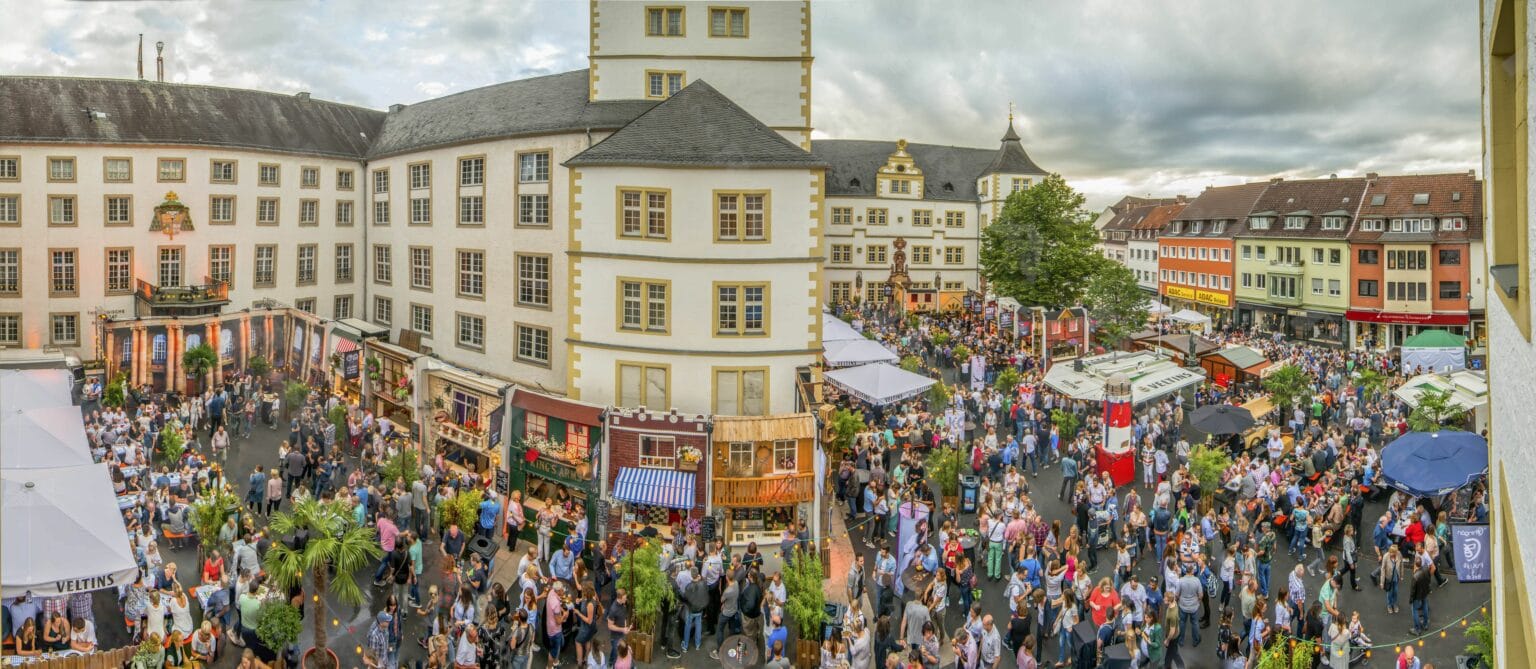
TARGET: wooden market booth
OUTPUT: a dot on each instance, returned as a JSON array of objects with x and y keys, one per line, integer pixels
[
  {"x": 549, "y": 458},
  {"x": 1234, "y": 364},
  {"x": 763, "y": 476}
]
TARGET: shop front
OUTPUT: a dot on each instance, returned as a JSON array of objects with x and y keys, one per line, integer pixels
[
  {"x": 1383, "y": 330},
  {"x": 656, "y": 473},
  {"x": 465, "y": 423},
  {"x": 763, "y": 477},
  {"x": 553, "y": 442},
  {"x": 1214, "y": 304},
  {"x": 1319, "y": 327},
  {"x": 346, "y": 356},
  {"x": 1234, "y": 365},
  {"x": 149, "y": 350},
  {"x": 391, "y": 373}
]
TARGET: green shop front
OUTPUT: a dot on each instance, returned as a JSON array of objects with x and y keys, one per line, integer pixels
[{"x": 553, "y": 445}]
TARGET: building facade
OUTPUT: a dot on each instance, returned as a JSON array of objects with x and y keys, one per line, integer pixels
[
  {"x": 1293, "y": 258},
  {"x": 1507, "y": 49},
  {"x": 1195, "y": 253},
  {"x": 1416, "y": 259},
  {"x": 1141, "y": 247}
]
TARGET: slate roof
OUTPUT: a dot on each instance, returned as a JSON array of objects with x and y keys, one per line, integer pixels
[
  {"x": 1011, "y": 157},
  {"x": 1128, "y": 218},
  {"x": 1397, "y": 193},
  {"x": 536, "y": 106},
  {"x": 696, "y": 127},
  {"x": 53, "y": 109},
  {"x": 1221, "y": 203},
  {"x": 1312, "y": 198},
  {"x": 854, "y": 163}
]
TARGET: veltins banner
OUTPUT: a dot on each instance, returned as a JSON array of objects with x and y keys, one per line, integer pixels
[{"x": 1472, "y": 544}]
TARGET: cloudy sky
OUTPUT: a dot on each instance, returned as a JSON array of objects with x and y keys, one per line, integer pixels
[{"x": 1150, "y": 97}]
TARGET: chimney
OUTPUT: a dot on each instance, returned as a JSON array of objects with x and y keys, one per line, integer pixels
[
  {"x": 1333, "y": 176},
  {"x": 302, "y": 95},
  {"x": 1180, "y": 199},
  {"x": 160, "y": 61},
  {"x": 1276, "y": 180},
  {"x": 396, "y": 108},
  {"x": 1372, "y": 175},
  {"x": 1472, "y": 173},
  {"x": 141, "y": 56}
]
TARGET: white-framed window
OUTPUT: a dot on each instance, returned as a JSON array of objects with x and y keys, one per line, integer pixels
[
  {"x": 266, "y": 211},
  {"x": 1453, "y": 223},
  {"x": 264, "y": 269},
  {"x": 119, "y": 210},
  {"x": 61, "y": 210},
  {"x": 305, "y": 304},
  {"x": 471, "y": 331},
  {"x": 120, "y": 270},
  {"x": 741, "y": 309},
  {"x": 221, "y": 263},
  {"x": 660, "y": 84},
  {"x": 221, "y": 209},
  {"x": 533, "y": 280},
  {"x": 657, "y": 451},
  {"x": 421, "y": 211},
  {"x": 309, "y": 177},
  {"x": 383, "y": 264},
  {"x": 664, "y": 22},
  {"x": 471, "y": 210},
  {"x": 1295, "y": 222},
  {"x": 537, "y": 425},
  {"x": 741, "y": 217},
  {"x": 1226, "y": 255},
  {"x": 66, "y": 329},
  {"x": 727, "y": 22},
  {"x": 421, "y": 176},
  {"x": 421, "y": 267},
  {"x": 786, "y": 456},
  {"x": 381, "y": 181},
  {"x": 344, "y": 213},
  {"x": 309, "y": 212},
  {"x": 421, "y": 319},
  {"x": 341, "y": 306},
  {"x": 1259, "y": 223},
  {"x": 343, "y": 263},
  {"x": 1317, "y": 256},
  {"x": 472, "y": 273},
  {"x": 343, "y": 179},
  {"x": 65, "y": 271},
  {"x": 268, "y": 174},
  {"x": 1194, "y": 227},
  {"x": 739, "y": 457},
  {"x": 306, "y": 265},
  {"x": 10, "y": 329},
  {"x": 1226, "y": 282},
  {"x": 10, "y": 168},
  {"x": 533, "y": 167},
  {"x": 644, "y": 213},
  {"x": 383, "y": 310},
  {"x": 118, "y": 169},
  {"x": 381, "y": 212},
  {"x": 472, "y": 171},
  {"x": 1335, "y": 288},
  {"x": 170, "y": 267},
  {"x": 10, "y": 209},
  {"x": 533, "y": 210},
  {"x": 61, "y": 169},
  {"x": 533, "y": 344}
]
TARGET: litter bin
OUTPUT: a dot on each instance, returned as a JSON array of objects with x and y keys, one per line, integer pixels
[{"x": 970, "y": 493}]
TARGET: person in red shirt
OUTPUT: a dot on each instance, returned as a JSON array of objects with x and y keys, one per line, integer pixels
[
  {"x": 1102, "y": 602},
  {"x": 1414, "y": 533}
]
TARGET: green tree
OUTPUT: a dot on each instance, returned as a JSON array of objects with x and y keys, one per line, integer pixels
[
  {"x": 328, "y": 548},
  {"x": 402, "y": 466},
  {"x": 338, "y": 417},
  {"x": 462, "y": 509},
  {"x": 961, "y": 352},
  {"x": 170, "y": 446},
  {"x": 938, "y": 396},
  {"x": 115, "y": 394},
  {"x": 1066, "y": 424},
  {"x": 640, "y": 573},
  {"x": 1436, "y": 412},
  {"x": 803, "y": 588},
  {"x": 1207, "y": 464},
  {"x": 1008, "y": 381},
  {"x": 1373, "y": 382},
  {"x": 207, "y": 517},
  {"x": 1287, "y": 386},
  {"x": 1118, "y": 304},
  {"x": 944, "y": 467},
  {"x": 258, "y": 367},
  {"x": 198, "y": 361},
  {"x": 1482, "y": 645},
  {"x": 912, "y": 364},
  {"x": 294, "y": 396},
  {"x": 278, "y": 624},
  {"x": 940, "y": 337},
  {"x": 1040, "y": 250}
]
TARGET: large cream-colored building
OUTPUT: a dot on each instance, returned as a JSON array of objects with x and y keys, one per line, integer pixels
[
  {"x": 657, "y": 229},
  {"x": 1507, "y": 230}
]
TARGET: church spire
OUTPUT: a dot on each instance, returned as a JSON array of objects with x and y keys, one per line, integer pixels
[{"x": 1011, "y": 135}]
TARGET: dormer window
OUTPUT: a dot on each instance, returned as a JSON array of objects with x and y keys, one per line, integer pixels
[
  {"x": 1453, "y": 223},
  {"x": 1176, "y": 228},
  {"x": 949, "y": 187},
  {"x": 853, "y": 183},
  {"x": 1194, "y": 227},
  {"x": 1295, "y": 222},
  {"x": 1421, "y": 198},
  {"x": 1218, "y": 227},
  {"x": 1259, "y": 223},
  {"x": 1371, "y": 225},
  {"x": 900, "y": 187},
  {"x": 1333, "y": 222}
]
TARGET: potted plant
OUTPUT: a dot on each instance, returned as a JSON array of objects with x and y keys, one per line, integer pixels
[
  {"x": 640, "y": 574},
  {"x": 944, "y": 467},
  {"x": 1287, "y": 386},
  {"x": 806, "y": 608},
  {"x": 170, "y": 446},
  {"x": 148, "y": 655},
  {"x": 1206, "y": 464},
  {"x": 198, "y": 361},
  {"x": 1008, "y": 381},
  {"x": 371, "y": 366},
  {"x": 207, "y": 516},
  {"x": 1066, "y": 424},
  {"x": 294, "y": 395},
  {"x": 402, "y": 391},
  {"x": 319, "y": 540},
  {"x": 1482, "y": 647},
  {"x": 277, "y": 625},
  {"x": 403, "y": 466},
  {"x": 462, "y": 509},
  {"x": 258, "y": 367},
  {"x": 911, "y": 364},
  {"x": 688, "y": 458},
  {"x": 845, "y": 427},
  {"x": 938, "y": 397},
  {"x": 115, "y": 394}
]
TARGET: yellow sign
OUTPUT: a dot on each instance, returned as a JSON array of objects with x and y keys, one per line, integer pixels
[
  {"x": 1210, "y": 297},
  {"x": 1180, "y": 292}
]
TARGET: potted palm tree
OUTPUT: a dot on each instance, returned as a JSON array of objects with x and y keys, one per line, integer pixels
[
  {"x": 640, "y": 574},
  {"x": 208, "y": 514},
  {"x": 806, "y": 608},
  {"x": 198, "y": 361},
  {"x": 320, "y": 540}
]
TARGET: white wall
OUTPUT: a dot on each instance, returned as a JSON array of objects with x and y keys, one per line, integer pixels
[
  {"x": 90, "y": 235},
  {"x": 691, "y": 261},
  {"x": 899, "y": 224}
]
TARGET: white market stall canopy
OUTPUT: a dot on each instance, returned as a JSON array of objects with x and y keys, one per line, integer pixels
[
  {"x": 849, "y": 352},
  {"x": 1156, "y": 308},
  {"x": 62, "y": 532},
  {"x": 43, "y": 438},
  {"x": 1435, "y": 351},
  {"x": 1190, "y": 316},
  {"x": 1152, "y": 376},
  {"x": 879, "y": 383},
  {"x": 34, "y": 388},
  {"x": 1469, "y": 389},
  {"x": 836, "y": 329}
]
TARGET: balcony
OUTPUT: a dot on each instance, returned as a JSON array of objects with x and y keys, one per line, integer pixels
[
  {"x": 1280, "y": 299},
  {"x": 772, "y": 490},
  {"x": 1286, "y": 267},
  {"x": 206, "y": 298},
  {"x": 461, "y": 435}
]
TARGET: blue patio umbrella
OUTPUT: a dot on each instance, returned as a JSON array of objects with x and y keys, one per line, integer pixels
[{"x": 1430, "y": 464}]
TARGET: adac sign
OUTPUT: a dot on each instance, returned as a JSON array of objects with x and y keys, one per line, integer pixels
[
  {"x": 1181, "y": 292},
  {"x": 1212, "y": 297}
]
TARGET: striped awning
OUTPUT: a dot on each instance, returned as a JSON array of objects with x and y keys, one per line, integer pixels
[{"x": 655, "y": 487}]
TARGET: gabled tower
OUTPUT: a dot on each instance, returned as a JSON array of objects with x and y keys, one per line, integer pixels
[
  {"x": 758, "y": 54},
  {"x": 1011, "y": 171}
]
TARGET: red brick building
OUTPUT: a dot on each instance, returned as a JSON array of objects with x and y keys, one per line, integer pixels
[{"x": 656, "y": 473}]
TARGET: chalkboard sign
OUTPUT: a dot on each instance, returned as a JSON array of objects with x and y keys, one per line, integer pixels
[
  {"x": 602, "y": 516},
  {"x": 707, "y": 528},
  {"x": 493, "y": 437},
  {"x": 503, "y": 481},
  {"x": 350, "y": 361},
  {"x": 1472, "y": 543}
]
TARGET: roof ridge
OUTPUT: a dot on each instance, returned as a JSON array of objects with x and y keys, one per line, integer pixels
[
  {"x": 217, "y": 87},
  {"x": 508, "y": 82}
]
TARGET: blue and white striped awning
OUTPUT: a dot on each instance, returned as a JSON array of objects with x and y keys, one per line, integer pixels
[{"x": 655, "y": 487}]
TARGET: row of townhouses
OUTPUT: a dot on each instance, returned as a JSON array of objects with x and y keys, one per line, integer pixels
[
  {"x": 654, "y": 235},
  {"x": 1352, "y": 261}
]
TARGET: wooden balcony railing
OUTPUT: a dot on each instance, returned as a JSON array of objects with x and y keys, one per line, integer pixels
[
  {"x": 772, "y": 490},
  {"x": 209, "y": 292}
]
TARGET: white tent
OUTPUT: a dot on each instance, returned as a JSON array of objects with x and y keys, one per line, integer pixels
[
  {"x": 1468, "y": 389},
  {"x": 836, "y": 329},
  {"x": 1152, "y": 376},
  {"x": 1192, "y": 318},
  {"x": 43, "y": 438},
  {"x": 879, "y": 383},
  {"x": 62, "y": 532},
  {"x": 34, "y": 388},
  {"x": 849, "y": 352},
  {"x": 1156, "y": 308}
]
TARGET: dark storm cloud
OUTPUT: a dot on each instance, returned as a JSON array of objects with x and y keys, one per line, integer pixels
[{"x": 1141, "y": 97}]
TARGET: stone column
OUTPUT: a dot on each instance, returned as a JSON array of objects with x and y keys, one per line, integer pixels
[
  {"x": 175, "y": 379},
  {"x": 136, "y": 360}
]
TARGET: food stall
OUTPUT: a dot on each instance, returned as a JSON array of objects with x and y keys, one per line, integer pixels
[
  {"x": 390, "y": 370},
  {"x": 655, "y": 475},
  {"x": 553, "y": 442},
  {"x": 346, "y": 356},
  {"x": 462, "y": 405},
  {"x": 1234, "y": 364},
  {"x": 763, "y": 476}
]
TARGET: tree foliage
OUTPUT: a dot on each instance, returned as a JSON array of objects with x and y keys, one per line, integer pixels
[
  {"x": 115, "y": 395},
  {"x": 803, "y": 587},
  {"x": 912, "y": 364},
  {"x": 170, "y": 446},
  {"x": 328, "y": 548},
  {"x": 199, "y": 359},
  {"x": 1287, "y": 386},
  {"x": 1040, "y": 250},
  {"x": 1066, "y": 423},
  {"x": 1436, "y": 412},
  {"x": 1207, "y": 464},
  {"x": 1373, "y": 382},
  {"x": 404, "y": 466},
  {"x": 1008, "y": 381},
  {"x": 845, "y": 426},
  {"x": 278, "y": 624},
  {"x": 1115, "y": 300},
  {"x": 207, "y": 516},
  {"x": 944, "y": 467},
  {"x": 462, "y": 509},
  {"x": 640, "y": 574},
  {"x": 258, "y": 367}
]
